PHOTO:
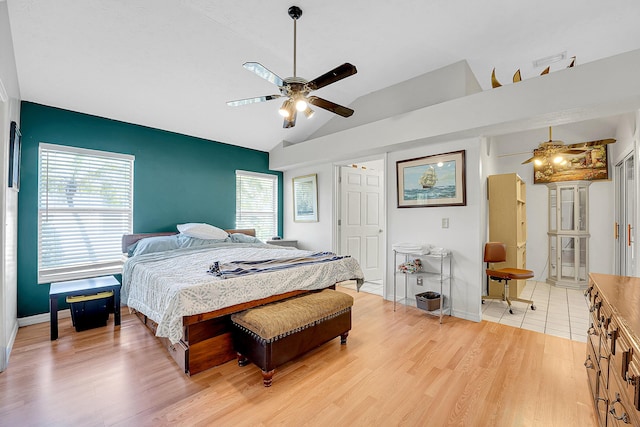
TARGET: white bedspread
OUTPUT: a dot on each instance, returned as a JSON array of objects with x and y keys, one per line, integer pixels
[{"x": 166, "y": 286}]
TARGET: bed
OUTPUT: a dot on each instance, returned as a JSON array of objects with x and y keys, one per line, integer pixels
[{"x": 184, "y": 289}]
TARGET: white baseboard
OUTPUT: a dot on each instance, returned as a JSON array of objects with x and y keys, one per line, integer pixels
[
  {"x": 7, "y": 350},
  {"x": 474, "y": 317},
  {"x": 41, "y": 318}
]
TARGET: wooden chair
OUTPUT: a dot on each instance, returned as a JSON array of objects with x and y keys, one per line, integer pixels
[{"x": 497, "y": 252}]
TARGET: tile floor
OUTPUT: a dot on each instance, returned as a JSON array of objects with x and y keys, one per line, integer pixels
[
  {"x": 559, "y": 311},
  {"x": 374, "y": 287}
]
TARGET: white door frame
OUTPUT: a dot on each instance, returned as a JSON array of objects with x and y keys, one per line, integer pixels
[
  {"x": 626, "y": 216},
  {"x": 4, "y": 128}
]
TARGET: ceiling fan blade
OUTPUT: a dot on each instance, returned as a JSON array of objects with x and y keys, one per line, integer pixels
[
  {"x": 514, "y": 154},
  {"x": 343, "y": 71},
  {"x": 290, "y": 122},
  {"x": 330, "y": 106},
  {"x": 593, "y": 143},
  {"x": 573, "y": 151},
  {"x": 264, "y": 72},
  {"x": 252, "y": 100},
  {"x": 529, "y": 160}
]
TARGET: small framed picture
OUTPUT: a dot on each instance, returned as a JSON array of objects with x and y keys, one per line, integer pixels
[
  {"x": 305, "y": 198},
  {"x": 15, "y": 148},
  {"x": 437, "y": 180}
]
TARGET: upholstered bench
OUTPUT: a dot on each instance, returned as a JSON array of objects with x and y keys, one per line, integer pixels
[{"x": 273, "y": 334}]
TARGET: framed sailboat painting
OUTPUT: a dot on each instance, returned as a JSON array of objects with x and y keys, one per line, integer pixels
[{"x": 437, "y": 180}]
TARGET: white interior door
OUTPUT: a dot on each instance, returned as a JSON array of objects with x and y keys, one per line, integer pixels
[
  {"x": 362, "y": 218},
  {"x": 625, "y": 216}
]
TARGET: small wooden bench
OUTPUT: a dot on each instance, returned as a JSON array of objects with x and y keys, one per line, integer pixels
[{"x": 273, "y": 334}]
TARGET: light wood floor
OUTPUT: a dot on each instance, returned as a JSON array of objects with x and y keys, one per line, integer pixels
[{"x": 401, "y": 368}]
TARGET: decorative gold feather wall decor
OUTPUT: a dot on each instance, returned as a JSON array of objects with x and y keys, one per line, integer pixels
[{"x": 517, "y": 76}]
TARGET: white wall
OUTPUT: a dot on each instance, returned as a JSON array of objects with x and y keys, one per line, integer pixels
[
  {"x": 9, "y": 111},
  {"x": 311, "y": 235},
  {"x": 463, "y": 238},
  {"x": 628, "y": 141},
  {"x": 450, "y": 82}
]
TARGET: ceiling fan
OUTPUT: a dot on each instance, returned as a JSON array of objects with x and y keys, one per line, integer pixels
[
  {"x": 296, "y": 89},
  {"x": 556, "y": 151}
]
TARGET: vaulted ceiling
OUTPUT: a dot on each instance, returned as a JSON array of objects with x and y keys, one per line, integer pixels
[{"x": 173, "y": 64}]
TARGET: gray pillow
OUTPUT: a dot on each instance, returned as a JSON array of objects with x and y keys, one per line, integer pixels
[
  {"x": 153, "y": 244},
  {"x": 244, "y": 238},
  {"x": 185, "y": 241}
]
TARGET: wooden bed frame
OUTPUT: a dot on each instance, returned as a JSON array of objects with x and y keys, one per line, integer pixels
[{"x": 206, "y": 338}]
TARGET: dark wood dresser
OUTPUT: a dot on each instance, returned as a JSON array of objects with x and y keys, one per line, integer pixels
[{"x": 613, "y": 348}]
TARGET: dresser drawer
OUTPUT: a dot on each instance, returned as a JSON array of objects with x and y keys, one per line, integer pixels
[
  {"x": 602, "y": 403},
  {"x": 632, "y": 385},
  {"x": 620, "y": 410},
  {"x": 593, "y": 370},
  {"x": 604, "y": 315},
  {"x": 604, "y": 358},
  {"x": 594, "y": 309},
  {"x": 593, "y": 337},
  {"x": 621, "y": 351},
  {"x": 179, "y": 352}
]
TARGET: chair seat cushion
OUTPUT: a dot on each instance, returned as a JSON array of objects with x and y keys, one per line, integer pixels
[{"x": 510, "y": 273}]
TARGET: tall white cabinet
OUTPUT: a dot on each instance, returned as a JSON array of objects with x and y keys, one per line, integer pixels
[{"x": 569, "y": 234}]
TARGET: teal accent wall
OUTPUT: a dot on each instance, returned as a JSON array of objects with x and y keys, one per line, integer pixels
[{"x": 177, "y": 179}]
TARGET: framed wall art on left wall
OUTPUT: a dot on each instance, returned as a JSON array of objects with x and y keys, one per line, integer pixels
[
  {"x": 305, "y": 198},
  {"x": 15, "y": 147}
]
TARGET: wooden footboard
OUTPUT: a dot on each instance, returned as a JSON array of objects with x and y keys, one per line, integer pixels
[{"x": 206, "y": 340}]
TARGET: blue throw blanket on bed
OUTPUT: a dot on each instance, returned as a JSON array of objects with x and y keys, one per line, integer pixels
[{"x": 243, "y": 268}]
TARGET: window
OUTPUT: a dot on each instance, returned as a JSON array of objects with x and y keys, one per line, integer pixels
[
  {"x": 257, "y": 203},
  {"x": 85, "y": 205}
]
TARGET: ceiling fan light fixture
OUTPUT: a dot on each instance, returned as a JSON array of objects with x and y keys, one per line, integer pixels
[
  {"x": 557, "y": 160},
  {"x": 287, "y": 108},
  {"x": 537, "y": 162},
  {"x": 301, "y": 104},
  {"x": 308, "y": 112}
]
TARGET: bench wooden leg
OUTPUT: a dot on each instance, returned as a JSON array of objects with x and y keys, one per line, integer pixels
[
  {"x": 343, "y": 338},
  {"x": 267, "y": 377}
]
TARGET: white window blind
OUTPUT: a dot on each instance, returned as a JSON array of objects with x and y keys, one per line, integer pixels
[
  {"x": 257, "y": 203},
  {"x": 85, "y": 205}
]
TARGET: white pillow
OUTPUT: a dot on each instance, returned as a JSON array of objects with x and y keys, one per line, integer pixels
[{"x": 202, "y": 231}]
